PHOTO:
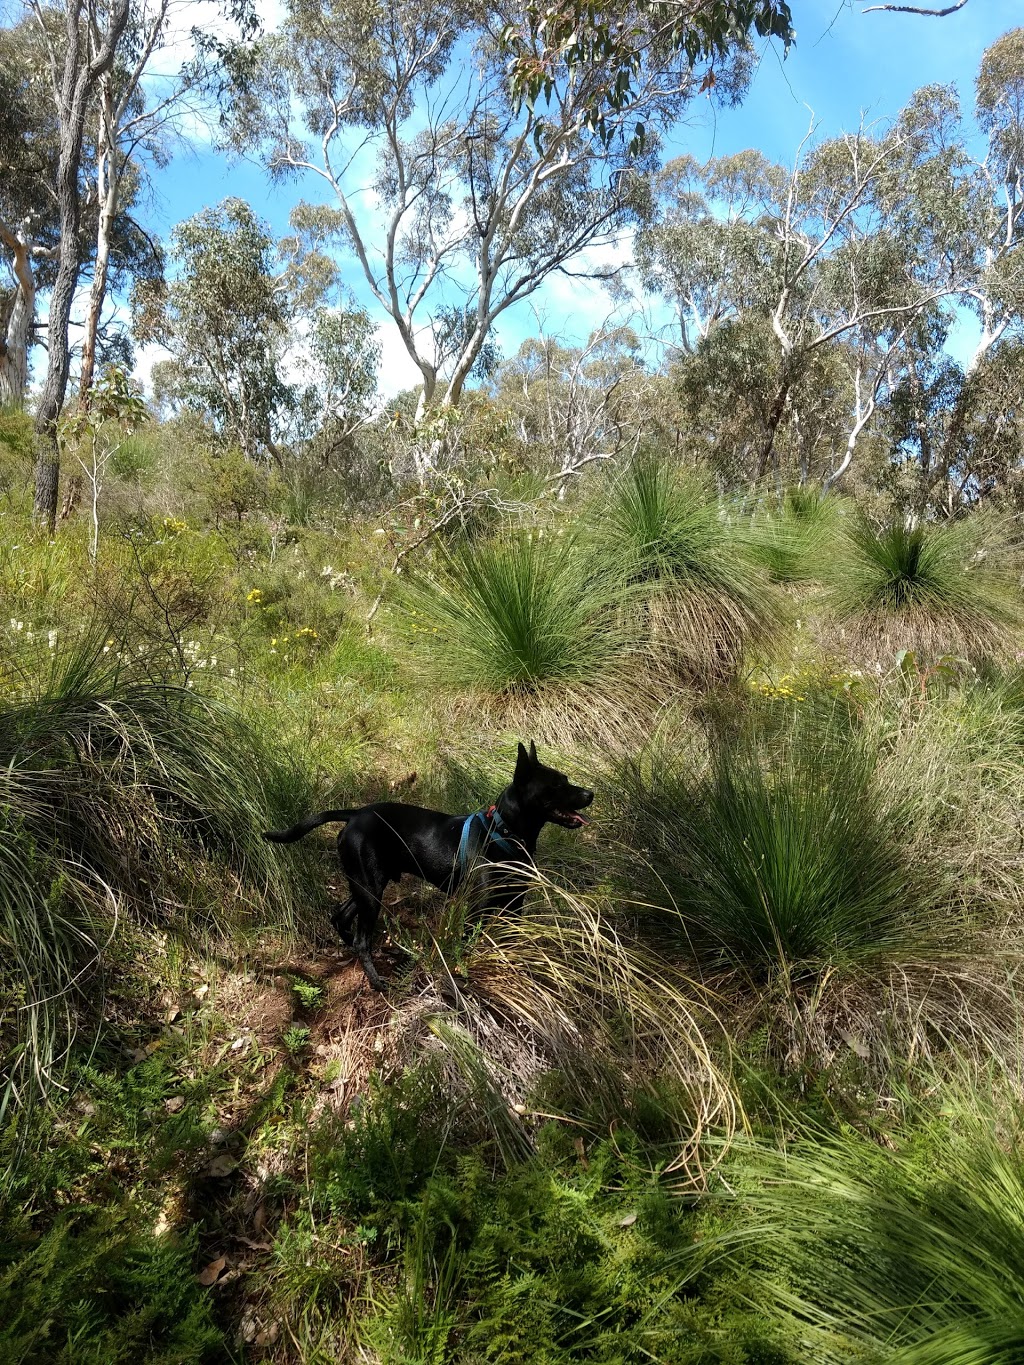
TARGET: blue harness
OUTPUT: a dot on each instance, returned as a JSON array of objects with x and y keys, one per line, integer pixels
[{"x": 489, "y": 828}]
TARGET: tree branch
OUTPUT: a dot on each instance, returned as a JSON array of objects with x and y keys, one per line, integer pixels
[{"x": 917, "y": 9}]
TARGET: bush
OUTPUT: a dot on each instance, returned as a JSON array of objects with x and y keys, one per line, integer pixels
[
  {"x": 15, "y": 449},
  {"x": 123, "y": 794},
  {"x": 585, "y": 1255},
  {"x": 781, "y": 853},
  {"x": 665, "y": 532},
  {"x": 517, "y": 614},
  {"x": 936, "y": 588}
]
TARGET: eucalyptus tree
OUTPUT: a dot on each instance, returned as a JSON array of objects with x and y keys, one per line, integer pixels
[
  {"x": 831, "y": 256},
  {"x": 30, "y": 216},
  {"x": 88, "y": 129},
  {"x": 953, "y": 421},
  {"x": 623, "y": 41},
  {"x": 78, "y": 57},
  {"x": 143, "y": 106},
  {"x": 580, "y": 406},
  {"x": 28, "y": 222},
  {"x": 246, "y": 320},
  {"x": 816, "y": 304},
  {"x": 456, "y": 198}
]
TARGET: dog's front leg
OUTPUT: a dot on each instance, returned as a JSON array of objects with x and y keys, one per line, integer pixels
[{"x": 503, "y": 890}]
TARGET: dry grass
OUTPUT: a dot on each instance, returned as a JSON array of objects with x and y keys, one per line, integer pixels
[{"x": 563, "y": 987}]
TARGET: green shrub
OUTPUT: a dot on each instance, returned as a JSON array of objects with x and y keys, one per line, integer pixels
[
  {"x": 792, "y": 544},
  {"x": 15, "y": 448},
  {"x": 781, "y": 854},
  {"x": 93, "y": 1291},
  {"x": 584, "y": 1256},
  {"x": 123, "y": 794},
  {"x": 516, "y": 614},
  {"x": 665, "y": 532},
  {"x": 936, "y": 588}
]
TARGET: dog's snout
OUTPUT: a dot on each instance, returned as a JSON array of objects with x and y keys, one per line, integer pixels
[{"x": 585, "y": 798}]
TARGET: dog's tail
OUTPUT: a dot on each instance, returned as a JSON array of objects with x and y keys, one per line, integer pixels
[{"x": 299, "y": 831}]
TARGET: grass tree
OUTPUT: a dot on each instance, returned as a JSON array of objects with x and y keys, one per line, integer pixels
[
  {"x": 664, "y": 532},
  {"x": 781, "y": 856},
  {"x": 517, "y": 614},
  {"x": 792, "y": 542},
  {"x": 563, "y": 987},
  {"x": 122, "y": 798},
  {"x": 933, "y": 587}
]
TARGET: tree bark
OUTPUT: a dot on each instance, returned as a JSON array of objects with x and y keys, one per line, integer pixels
[
  {"x": 79, "y": 77},
  {"x": 17, "y": 331},
  {"x": 775, "y": 415},
  {"x": 107, "y": 183}
]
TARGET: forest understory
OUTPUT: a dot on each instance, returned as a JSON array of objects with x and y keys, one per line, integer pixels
[{"x": 740, "y": 1084}]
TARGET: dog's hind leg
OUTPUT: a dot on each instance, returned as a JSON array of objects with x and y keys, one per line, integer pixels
[
  {"x": 367, "y": 882},
  {"x": 342, "y": 918},
  {"x": 355, "y": 922},
  {"x": 367, "y": 909}
]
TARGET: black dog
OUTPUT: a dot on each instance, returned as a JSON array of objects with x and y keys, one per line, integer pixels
[{"x": 385, "y": 840}]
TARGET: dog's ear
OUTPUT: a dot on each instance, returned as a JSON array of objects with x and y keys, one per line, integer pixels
[
  {"x": 523, "y": 763},
  {"x": 533, "y": 752}
]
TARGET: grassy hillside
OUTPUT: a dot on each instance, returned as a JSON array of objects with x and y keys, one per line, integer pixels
[{"x": 739, "y": 1087}]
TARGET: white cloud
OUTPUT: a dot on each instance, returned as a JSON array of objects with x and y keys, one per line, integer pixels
[
  {"x": 145, "y": 358},
  {"x": 397, "y": 369}
]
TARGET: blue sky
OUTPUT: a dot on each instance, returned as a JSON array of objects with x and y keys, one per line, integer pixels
[{"x": 846, "y": 64}]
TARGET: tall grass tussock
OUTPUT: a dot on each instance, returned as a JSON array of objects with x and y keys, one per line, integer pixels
[
  {"x": 123, "y": 800},
  {"x": 781, "y": 853},
  {"x": 517, "y": 614},
  {"x": 909, "y": 1254},
  {"x": 935, "y": 587},
  {"x": 794, "y": 541},
  {"x": 705, "y": 601}
]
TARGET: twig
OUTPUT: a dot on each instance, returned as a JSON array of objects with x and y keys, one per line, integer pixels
[
  {"x": 916, "y": 9},
  {"x": 457, "y": 509}
]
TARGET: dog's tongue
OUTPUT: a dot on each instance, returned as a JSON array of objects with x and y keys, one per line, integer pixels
[{"x": 577, "y": 820}]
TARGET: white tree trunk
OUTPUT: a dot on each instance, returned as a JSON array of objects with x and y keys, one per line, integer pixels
[
  {"x": 107, "y": 185},
  {"x": 17, "y": 335}
]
